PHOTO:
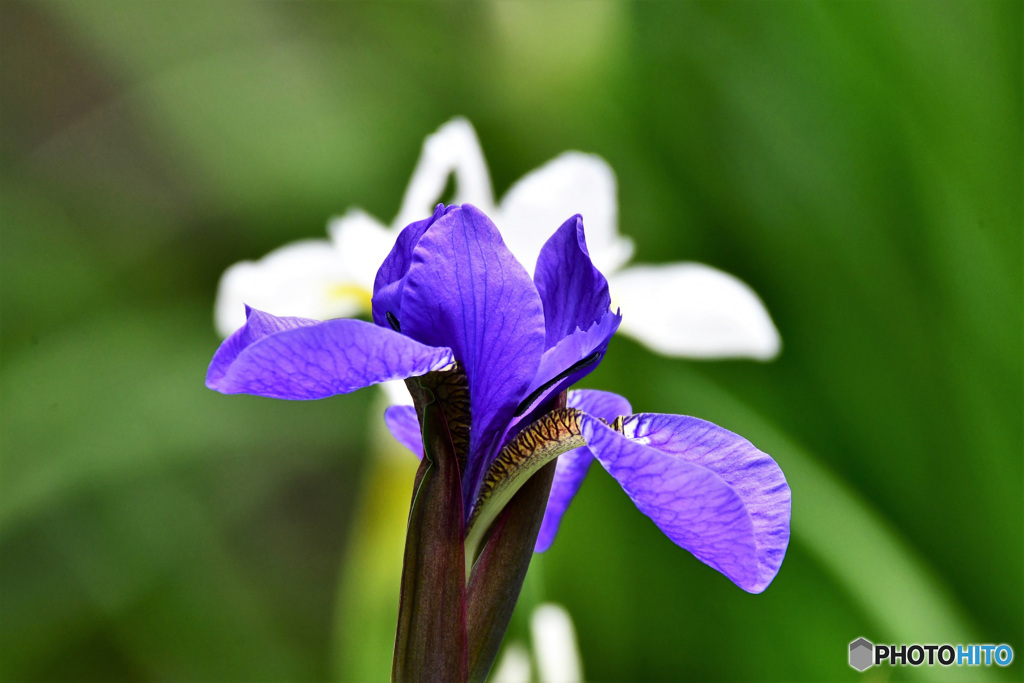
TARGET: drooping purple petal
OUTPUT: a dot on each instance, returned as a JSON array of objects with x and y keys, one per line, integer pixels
[
  {"x": 695, "y": 507},
  {"x": 566, "y": 363},
  {"x": 570, "y": 471},
  {"x": 257, "y": 326},
  {"x": 573, "y": 291},
  {"x": 573, "y": 466},
  {"x": 405, "y": 427},
  {"x": 298, "y": 359},
  {"x": 754, "y": 475},
  {"x": 465, "y": 290},
  {"x": 390, "y": 280},
  {"x": 603, "y": 404}
]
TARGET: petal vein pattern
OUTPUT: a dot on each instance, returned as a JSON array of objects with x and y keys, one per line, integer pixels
[
  {"x": 691, "y": 504},
  {"x": 466, "y": 291},
  {"x": 568, "y": 354},
  {"x": 574, "y": 292},
  {"x": 754, "y": 475},
  {"x": 578, "y": 321},
  {"x": 710, "y": 315},
  {"x": 293, "y": 358}
]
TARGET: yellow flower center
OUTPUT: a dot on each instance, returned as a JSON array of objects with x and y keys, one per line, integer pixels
[{"x": 360, "y": 295}]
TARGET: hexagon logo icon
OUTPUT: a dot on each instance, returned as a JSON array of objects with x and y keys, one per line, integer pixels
[{"x": 861, "y": 654}]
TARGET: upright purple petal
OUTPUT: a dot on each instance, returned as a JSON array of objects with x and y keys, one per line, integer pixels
[
  {"x": 465, "y": 290},
  {"x": 694, "y": 506},
  {"x": 574, "y": 292},
  {"x": 754, "y": 475},
  {"x": 299, "y": 359},
  {"x": 390, "y": 280},
  {"x": 578, "y": 321},
  {"x": 573, "y": 466},
  {"x": 566, "y": 363},
  {"x": 405, "y": 427}
]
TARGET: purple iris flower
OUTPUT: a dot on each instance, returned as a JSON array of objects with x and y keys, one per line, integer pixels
[{"x": 450, "y": 293}]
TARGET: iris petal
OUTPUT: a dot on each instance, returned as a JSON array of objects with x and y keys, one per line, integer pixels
[
  {"x": 390, "y": 281},
  {"x": 603, "y": 404},
  {"x": 719, "y": 514},
  {"x": 465, "y": 290},
  {"x": 405, "y": 427},
  {"x": 300, "y": 359},
  {"x": 569, "y": 361},
  {"x": 754, "y": 475},
  {"x": 574, "y": 292},
  {"x": 577, "y": 320},
  {"x": 573, "y": 466}
]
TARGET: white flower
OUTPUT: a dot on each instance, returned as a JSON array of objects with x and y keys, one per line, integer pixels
[
  {"x": 677, "y": 309},
  {"x": 513, "y": 667},
  {"x": 555, "y": 652}
]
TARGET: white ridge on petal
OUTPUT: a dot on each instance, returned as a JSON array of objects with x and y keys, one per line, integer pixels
[{"x": 690, "y": 309}]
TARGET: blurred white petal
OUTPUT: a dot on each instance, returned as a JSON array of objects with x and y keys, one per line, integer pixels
[
  {"x": 304, "y": 279},
  {"x": 513, "y": 667},
  {"x": 398, "y": 394},
  {"x": 362, "y": 243},
  {"x": 613, "y": 255},
  {"x": 693, "y": 310},
  {"x": 678, "y": 309},
  {"x": 453, "y": 148},
  {"x": 554, "y": 645},
  {"x": 543, "y": 199}
]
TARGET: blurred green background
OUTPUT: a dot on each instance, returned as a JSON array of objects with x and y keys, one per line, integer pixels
[{"x": 858, "y": 164}]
